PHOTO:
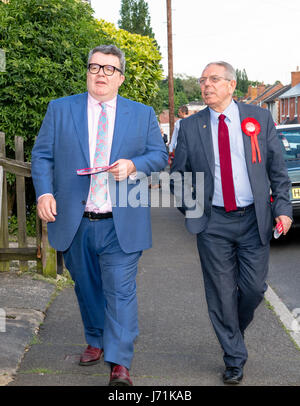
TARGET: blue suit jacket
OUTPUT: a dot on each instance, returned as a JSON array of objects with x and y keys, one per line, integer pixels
[
  {"x": 194, "y": 153},
  {"x": 62, "y": 147}
]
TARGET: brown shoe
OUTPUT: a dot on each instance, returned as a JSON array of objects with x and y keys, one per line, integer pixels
[
  {"x": 119, "y": 376},
  {"x": 91, "y": 356}
]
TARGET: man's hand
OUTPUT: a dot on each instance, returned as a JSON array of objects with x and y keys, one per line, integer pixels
[
  {"x": 286, "y": 222},
  {"x": 124, "y": 168},
  {"x": 46, "y": 208}
]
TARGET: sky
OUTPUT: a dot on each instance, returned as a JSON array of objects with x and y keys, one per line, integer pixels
[{"x": 260, "y": 36}]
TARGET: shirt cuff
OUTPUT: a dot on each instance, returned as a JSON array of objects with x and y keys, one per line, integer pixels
[
  {"x": 133, "y": 176},
  {"x": 45, "y": 194}
]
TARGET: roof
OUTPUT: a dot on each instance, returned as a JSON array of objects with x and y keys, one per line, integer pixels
[
  {"x": 293, "y": 92},
  {"x": 260, "y": 97},
  {"x": 276, "y": 94}
]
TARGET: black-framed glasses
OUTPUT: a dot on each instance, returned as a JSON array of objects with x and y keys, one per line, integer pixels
[{"x": 108, "y": 70}]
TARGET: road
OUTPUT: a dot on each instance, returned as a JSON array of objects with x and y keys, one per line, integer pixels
[{"x": 284, "y": 272}]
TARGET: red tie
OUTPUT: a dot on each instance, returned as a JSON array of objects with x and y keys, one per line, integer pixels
[{"x": 225, "y": 165}]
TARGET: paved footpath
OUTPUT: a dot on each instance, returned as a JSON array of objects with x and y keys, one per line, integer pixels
[{"x": 176, "y": 346}]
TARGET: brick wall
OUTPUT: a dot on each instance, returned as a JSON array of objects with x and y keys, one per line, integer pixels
[
  {"x": 287, "y": 108},
  {"x": 252, "y": 92},
  {"x": 295, "y": 78}
]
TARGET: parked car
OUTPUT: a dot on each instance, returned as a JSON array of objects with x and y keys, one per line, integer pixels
[{"x": 289, "y": 136}]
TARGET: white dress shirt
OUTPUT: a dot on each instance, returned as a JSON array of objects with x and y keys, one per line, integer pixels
[
  {"x": 173, "y": 142},
  {"x": 242, "y": 187}
]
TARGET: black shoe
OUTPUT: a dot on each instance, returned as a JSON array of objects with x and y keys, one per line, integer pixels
[{"x": 233, "y": 375}]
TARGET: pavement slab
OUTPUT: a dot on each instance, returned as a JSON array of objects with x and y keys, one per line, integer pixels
[{"x": 23, "y": 302}]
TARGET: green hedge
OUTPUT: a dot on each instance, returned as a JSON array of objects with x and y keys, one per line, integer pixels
[
  {"x": 143, "y": 68},
  {"x": 46, "y": 44}
]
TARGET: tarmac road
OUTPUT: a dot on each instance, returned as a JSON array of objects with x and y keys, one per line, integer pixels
[{"x": 284, "y": 273}]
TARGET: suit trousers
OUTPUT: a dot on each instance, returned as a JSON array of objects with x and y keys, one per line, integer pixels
[
  {"x": 235, "y": 267},
  {"x": 105, "y": 286}
]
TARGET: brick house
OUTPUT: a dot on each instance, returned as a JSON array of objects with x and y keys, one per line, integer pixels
[
  {"x": 253, "y": 93},
  {"x": 266, "y": 92},
  {"x": 289, "y": 106},
  {"x": 273, "y": 101}
]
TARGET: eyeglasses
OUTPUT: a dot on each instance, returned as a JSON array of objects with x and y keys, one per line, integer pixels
[
  {"x": 108, "y": 70},
  {"x": 212, "y": 79}
]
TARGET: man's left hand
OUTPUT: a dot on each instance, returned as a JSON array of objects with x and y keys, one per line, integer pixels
[
  {"x": 286, "y": 222},
  {"x": 124, "y": 169}
]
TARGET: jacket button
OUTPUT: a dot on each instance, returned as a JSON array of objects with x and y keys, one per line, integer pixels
[{"x": 83, "y": 202}]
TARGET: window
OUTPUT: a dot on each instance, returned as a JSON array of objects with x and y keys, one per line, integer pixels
[{"x": 290, "y": 139}]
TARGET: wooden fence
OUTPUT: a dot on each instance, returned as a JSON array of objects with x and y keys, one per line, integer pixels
[{"x": 49, "y": 261}]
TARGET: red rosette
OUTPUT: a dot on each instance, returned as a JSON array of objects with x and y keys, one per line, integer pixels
[{"x": 251, "y": 127}]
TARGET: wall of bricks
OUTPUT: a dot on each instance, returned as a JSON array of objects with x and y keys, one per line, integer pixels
[
  {"x": 290, "y": 107},
  {"x": 295, "y": 78}
]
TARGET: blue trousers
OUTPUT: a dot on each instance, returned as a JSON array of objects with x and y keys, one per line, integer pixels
[
  {"x": 235, "y": 267},
  {"x": 105, "y": 286}
]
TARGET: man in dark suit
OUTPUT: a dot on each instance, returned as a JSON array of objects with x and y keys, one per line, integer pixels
[
  {"x": 236, "y": 147},
  {"x": 90, "y": 217}
]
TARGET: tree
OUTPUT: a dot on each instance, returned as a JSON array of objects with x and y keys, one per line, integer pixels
[
  {"x": 191, "y": 88},
  {"x": 135, "y": 17},
  {"x": 143, "y": 69},
  {"x": 242, "y": 81},
  {"x": 46, "y": 44},
  {"x": 186, "y": 89}
]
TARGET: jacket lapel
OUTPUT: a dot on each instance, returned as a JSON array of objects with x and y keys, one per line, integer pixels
[
  {"x": 79, "y": 115},
  {"x": 204, "y": 128},
  {"x": 247, "y": 143},
  {"x": 120, "y": 131}
]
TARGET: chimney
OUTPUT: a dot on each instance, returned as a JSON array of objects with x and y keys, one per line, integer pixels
[
  {"x": 295, "y": 77},
  {"x": 252, "y": 92},
  {"x": 261, "y": 89},
  {"x": 249, "y": 91}
]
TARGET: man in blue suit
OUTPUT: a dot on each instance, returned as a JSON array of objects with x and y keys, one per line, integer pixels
[
  {"x": 89, "y": 217},
  {"x": 236, "y": 147}
]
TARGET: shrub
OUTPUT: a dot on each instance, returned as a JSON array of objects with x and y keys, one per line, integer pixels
[
  {"x": 143, "y": 68},
  {"x": 46, "y": 44}
]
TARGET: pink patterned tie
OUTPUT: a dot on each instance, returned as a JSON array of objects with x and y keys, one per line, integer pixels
[{"x": 99, "y": 180}]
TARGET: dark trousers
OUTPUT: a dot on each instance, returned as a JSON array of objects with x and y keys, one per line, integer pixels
[{"x": 235, "y": 267}]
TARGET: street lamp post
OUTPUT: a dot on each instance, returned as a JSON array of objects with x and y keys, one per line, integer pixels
[{"x": 170, "y": 68}]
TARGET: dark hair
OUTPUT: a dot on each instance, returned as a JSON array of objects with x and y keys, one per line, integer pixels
[
  {"x": 109, "y": 50},
  {"x": 184, "y": 109}
]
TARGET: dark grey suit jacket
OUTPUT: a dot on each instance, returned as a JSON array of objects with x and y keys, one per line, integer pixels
[{"x": 194, "y": 153}]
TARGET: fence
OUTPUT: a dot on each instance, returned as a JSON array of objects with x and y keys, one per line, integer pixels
[{"x": 49, "y": 261}]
